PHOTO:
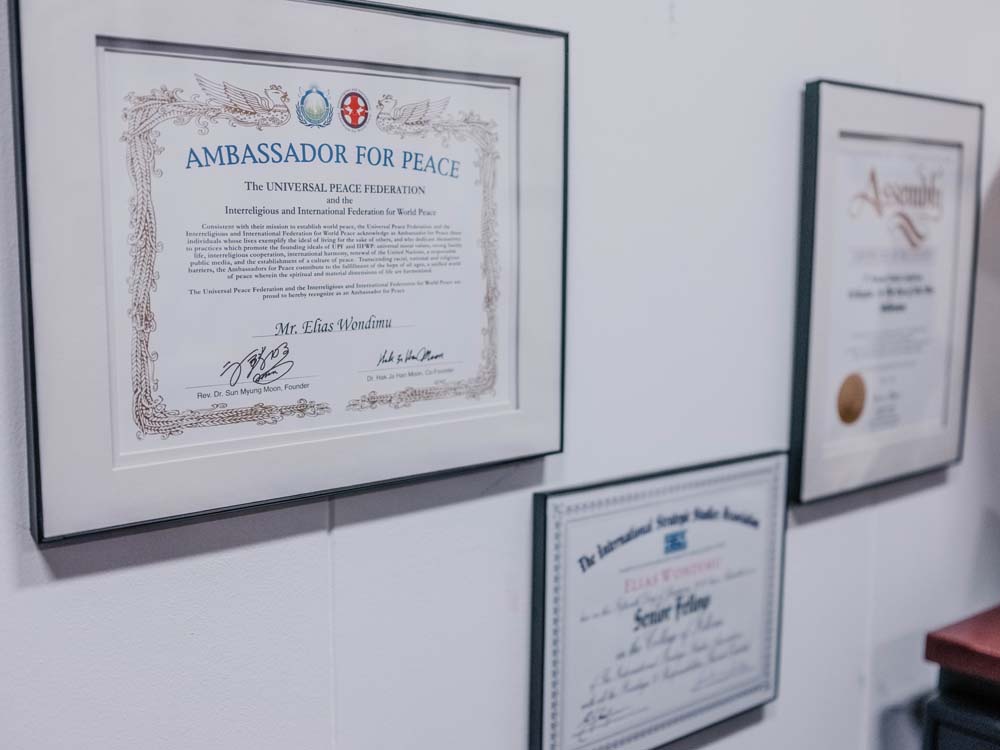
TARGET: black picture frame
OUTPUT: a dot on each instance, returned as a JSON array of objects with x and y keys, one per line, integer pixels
[
  {"x": 809, "y": 176},
  {"x": 540, "y": 502},
  {"x": 34, "y": 478}
]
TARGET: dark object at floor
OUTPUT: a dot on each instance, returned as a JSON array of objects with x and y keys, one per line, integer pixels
[{"x": 965, "y": 715}]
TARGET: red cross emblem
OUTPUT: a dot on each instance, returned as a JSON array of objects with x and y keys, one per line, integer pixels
[{"x": 354, "y": 110}]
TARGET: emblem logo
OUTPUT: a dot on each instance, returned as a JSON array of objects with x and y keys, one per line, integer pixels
[
  {"x": 314, "y": 108},
  {"x": 354, "y": 110},
  {"x": 675, "y": 542}
]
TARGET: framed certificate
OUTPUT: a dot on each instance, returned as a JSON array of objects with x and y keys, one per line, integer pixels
[
  {"x": 656, "y": 604},
  {"x": 890, "y": 211},
  {"x": 279, "y": 249}
]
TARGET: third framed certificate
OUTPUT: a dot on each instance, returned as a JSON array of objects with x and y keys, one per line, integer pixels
[
  {"x": 656, "y": 604},
  {"x": 890, "y": 209}
]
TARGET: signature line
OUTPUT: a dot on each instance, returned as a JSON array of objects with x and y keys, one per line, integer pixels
[
  {"x": 416, "y": 364},
  {"x": 227, "y": 385}
]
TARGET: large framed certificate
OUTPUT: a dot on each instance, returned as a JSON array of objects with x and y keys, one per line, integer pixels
[
  {"x": 890, "y": 211},
  {"x": 279, "y": 249},
  {"x": 656, "y": 604}
]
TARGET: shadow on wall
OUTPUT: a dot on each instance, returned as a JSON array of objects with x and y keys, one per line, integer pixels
[
  {"x": 38, "y": 567},
  {"x": 989, "y": 229},
  {"x": 900, "y": 727},
  {"x": 985, "y": 395},
  {"x": 421, "y": 495},
  {"x": 983, "y": 588},
  {"x": 259, "y": 526},
  {"x": 717, "y": 732},
  {"x": 799, "y": 515}
]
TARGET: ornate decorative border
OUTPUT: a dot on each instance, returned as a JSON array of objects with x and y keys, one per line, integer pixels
[
  {"x": 239, "y": 107},
  {"x": 143, "y": 115},
  {"x": 418, "y": 120}
]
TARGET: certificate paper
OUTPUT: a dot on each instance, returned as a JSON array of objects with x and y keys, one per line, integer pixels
[
  {"x": 886, "y": 277},
  {"x": 280, "y": 250},
  {"x": 893, "y": 290},
  {"x": 661, "y": 604},
  {"x": 294, "y": 246}
]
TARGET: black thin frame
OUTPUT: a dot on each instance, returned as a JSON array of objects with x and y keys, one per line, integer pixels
[
  {"x": 27, "y": 320},
  {"x": 804, "y": 280},
  {"x": 540, "y": 500}
]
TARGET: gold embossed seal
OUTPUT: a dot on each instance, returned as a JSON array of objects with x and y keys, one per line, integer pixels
[{"x": 851, "y": 398}]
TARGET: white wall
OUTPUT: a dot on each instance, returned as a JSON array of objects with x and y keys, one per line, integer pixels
[{"x": 400, "y": 618}]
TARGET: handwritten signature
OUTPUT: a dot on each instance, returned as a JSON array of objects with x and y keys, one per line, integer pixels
[
  {"x": 392, "y": 357},
  {"x": 261, "y": 366}
]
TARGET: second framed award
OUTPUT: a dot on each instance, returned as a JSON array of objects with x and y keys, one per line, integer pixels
[
  {"x": 270, "y": 260},
  {"x": 890, "y": 210}
]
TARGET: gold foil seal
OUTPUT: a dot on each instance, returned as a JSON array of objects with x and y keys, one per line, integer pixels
[{"x": 851, "y": 398}]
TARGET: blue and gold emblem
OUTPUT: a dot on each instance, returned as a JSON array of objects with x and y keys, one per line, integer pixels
[{"x": 314, "y": 108}]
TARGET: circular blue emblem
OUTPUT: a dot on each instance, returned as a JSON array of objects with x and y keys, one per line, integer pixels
[{"x": 314, "y": 108}]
